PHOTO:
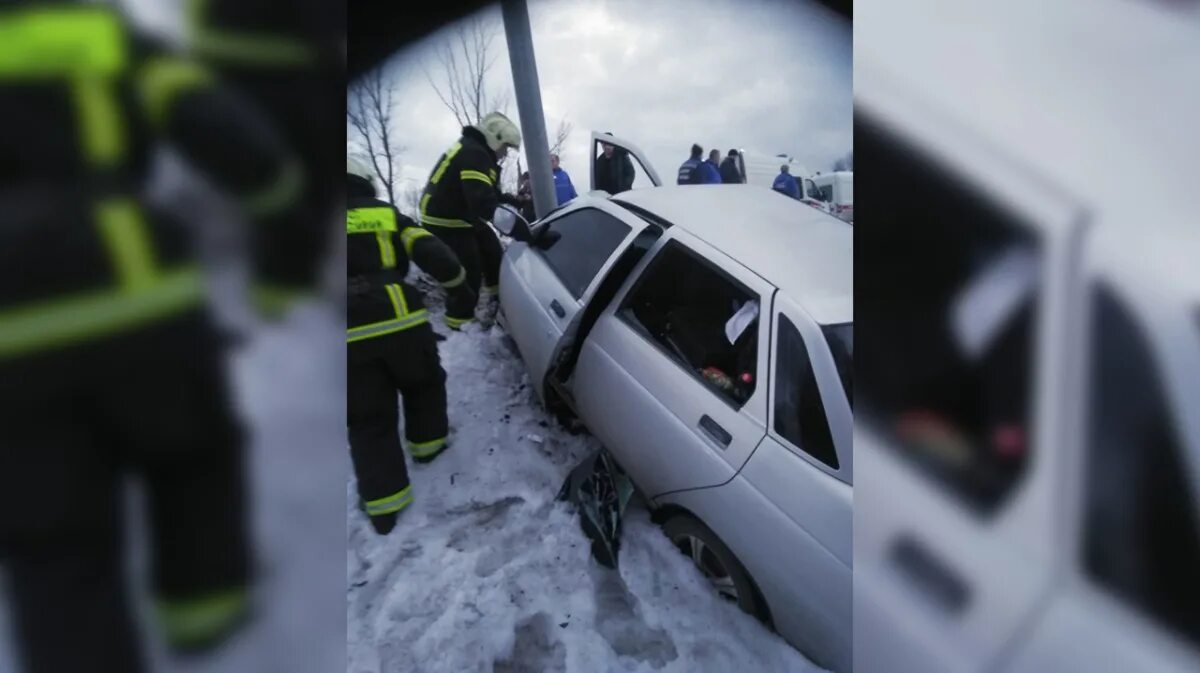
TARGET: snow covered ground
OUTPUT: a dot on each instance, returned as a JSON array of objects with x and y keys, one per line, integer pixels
[{"x": 487, "y": 572}]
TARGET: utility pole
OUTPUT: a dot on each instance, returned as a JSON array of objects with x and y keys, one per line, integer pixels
[{"x": 529, "y": 103}]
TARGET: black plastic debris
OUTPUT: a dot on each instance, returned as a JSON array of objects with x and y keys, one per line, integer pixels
[{"x": 600, "y": 491}]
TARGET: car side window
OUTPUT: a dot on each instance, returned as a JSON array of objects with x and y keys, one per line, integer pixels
[
  {"x": 578, "y": 245},
  {"x": 1141, "y": 533},
  {"x": 701, "y": 317},
  {"x": 946, "y": 346},
  {"x": 799, "y": 410}
]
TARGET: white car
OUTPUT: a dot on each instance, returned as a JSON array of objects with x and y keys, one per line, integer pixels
[
  {"x": 1028, "y": 460},
  {"x": 704, "y": 334}
]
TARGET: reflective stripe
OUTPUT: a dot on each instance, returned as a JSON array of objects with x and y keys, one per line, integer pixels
[
  {"x": 161, "y": 81},
  {"x": 475, "y": 175},
  {"x": 278, "y": 195},
  {"x": 409, "y": 237},
  {"x": 52, "y": 42},
  {"x": 423, "y": 449},
  {"x": 197, "y": 620},
  {"x": 387, "y": 251},
  {"x": 392, "y": 503},
  {"x": 387, "y": 326},
  {"x": 429, "y": 220},
  {"x": 124, "y": 231},
  {"x": 494, "y": 289},
  {"x": 100, "y": 126},
  {"x": 457, "y": 280},
  {"x": 244, "y": 47},
  {"x": 437, "y": 175},
  {"x": 457, "y": 322},
  {"x": 274, "y": 300},
  {"x": 65, "y": 321},
  {"x": 396, "y": 294},
  {"x": 364, "y": 220}
]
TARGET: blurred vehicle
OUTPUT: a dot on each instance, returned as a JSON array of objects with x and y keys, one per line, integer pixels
[
  {"x": 639, "y": 314},
  {"x": 836, "y": 192},
  {"x": 1030, "y": 383},
  {"x": 761, "y": 170}
]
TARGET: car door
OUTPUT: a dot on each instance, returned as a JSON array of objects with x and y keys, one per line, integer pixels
[
  {"x": 957, "y": 427},
  {"x": 544, "y": 284},
  {"x": 664, "y": 422},
  {"x": 647, "y": 177}
]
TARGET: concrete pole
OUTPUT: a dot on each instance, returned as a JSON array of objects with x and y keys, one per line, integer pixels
[{"x": 529, "y": 103}]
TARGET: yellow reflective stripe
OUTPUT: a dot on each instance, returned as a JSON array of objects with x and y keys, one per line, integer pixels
[
  {"x": 65, "y": 321},
  {"x": 244, "y": 47},
  {"x": 128, "y": 241},
  {"x": 387, "y": 251},
  {"x": 444, "y": 222},
  {"x": 491, "y": 288},
  {"x": 280, "y": 194},
  {"x": 396, "y": 294},
  {"x": 437, "y": 175},
  {"x": 392, "y": 503},
  {"x": 475, "y": 175},
  {"x": 200, "y": 619},
  {"x": 274, "y": 300},
  {"x": 492, "y": 172},
  {"x": 457, "y": 322},
  {"x": 161, "y": 80},
  {"x": 387, "y": 326},
  {"x": 457, "y": 280},
  {"x": 409, "y": 237},
  {"x": 362, "y": 220},
  {"x": 52, "y": 42},
  {"x": 422, "y": 449},
  {"x": 100, "y": 126}
]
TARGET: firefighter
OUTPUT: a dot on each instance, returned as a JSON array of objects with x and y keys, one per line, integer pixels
[
  {"x": 288, "y": 57},
  {"x": 460, "y": 199},
  {"x": 109, "y": 362},
  {"x": 391, "y": 346}
]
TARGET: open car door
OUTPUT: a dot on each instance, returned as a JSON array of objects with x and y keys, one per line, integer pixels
[{"x": 618, "y": 165}]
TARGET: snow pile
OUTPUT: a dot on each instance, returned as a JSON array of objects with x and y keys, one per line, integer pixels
[{"x": 487, "y": 572}]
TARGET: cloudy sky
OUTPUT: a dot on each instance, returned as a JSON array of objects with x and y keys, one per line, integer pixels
[{"x": 767, "y": 77}]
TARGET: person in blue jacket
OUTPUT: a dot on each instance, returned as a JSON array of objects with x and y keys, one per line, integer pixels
[
  {"x": 695, "y": 171},
  {"x": 713, "y": 169},
  {"x": 563, "y": 189},
  {"x": 785, "y": 183}
]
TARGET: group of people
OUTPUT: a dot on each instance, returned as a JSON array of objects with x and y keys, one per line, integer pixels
[{"x": 710, "y": 171}]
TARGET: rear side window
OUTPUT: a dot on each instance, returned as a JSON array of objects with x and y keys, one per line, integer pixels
[
  {"x": 582, "y": 242},
  {"x": 701, "y": 317},
  {"x": 1142, "y": 537},
  {"x": 799, "y": 410},
  {"x": 946, "y": 322}
]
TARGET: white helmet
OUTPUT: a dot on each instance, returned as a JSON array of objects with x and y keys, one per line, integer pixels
[
  {"x": 499, "y": 131},
  {"x": 356, "y": 166}
]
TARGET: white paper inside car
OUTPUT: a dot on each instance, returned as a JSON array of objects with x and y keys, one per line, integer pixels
[
  {"x": 987, "y": 303},
  {"x": 744, "y": 318}
]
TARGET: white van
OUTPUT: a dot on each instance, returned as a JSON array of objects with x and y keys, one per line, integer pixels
[
  {"x": 759, "y": 169},
  {"x": 837, "y": 192}
]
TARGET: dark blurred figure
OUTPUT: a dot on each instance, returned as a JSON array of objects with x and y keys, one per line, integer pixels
[
  {"x": 613, "y": 169},
  {"x": 287, "y": 56},
  {"x": 714, "y": 160},
  {"x": 109, "y": 364},
  {"x": 729, "y": 170},
  {"x": 525, "y": 196}
]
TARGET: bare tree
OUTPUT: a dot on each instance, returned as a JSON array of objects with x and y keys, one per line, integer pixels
[
  {"x": 410, "y": 200},
  {"x": 561, "y": 136},
  {"x": 465, "y": 60},
  {"x": 369, "y": 110}
]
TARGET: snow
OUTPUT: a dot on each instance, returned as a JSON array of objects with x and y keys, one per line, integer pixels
[{"x": 485, "y": 571}]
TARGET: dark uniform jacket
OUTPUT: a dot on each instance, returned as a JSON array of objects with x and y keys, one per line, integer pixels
[{"x": 463, "y": 190}]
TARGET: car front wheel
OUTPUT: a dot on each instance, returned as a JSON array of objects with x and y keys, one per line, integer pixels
[{"x": 714, "y": 560}]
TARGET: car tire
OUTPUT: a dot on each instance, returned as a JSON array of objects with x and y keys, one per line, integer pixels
[{"x": 724, "y": 572}]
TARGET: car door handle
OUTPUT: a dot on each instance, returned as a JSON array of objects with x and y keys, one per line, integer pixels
[
  {"x": 715, "y": 431},
  {"x": 557, "y": 308},
  {"x": 929, "y": 575}
]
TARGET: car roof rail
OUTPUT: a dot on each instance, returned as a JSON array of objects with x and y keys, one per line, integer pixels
[{"x": 643, "y": 213}]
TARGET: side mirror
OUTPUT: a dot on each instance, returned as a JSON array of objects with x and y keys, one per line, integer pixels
[{"x": 510, "y": 223}]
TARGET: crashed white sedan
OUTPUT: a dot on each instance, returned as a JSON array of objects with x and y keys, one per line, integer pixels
[{"x": 704, "y": 334}]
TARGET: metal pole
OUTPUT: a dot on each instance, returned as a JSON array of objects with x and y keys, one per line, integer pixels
[{"x": 529, "y": 103}]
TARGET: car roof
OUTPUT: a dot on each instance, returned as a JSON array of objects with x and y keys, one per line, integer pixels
[{"x": 807, "y": 254}]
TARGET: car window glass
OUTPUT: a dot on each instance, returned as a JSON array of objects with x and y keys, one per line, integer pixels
[
  {"x": 618, "y": 170},
  {"x": 799, "y": 409},
  {"x": 946, "y": 345},
  {"x": 1141, "y": 533},
  {"x": 580, "y": 243},
  {"x": 701, "y": 317},
  {"x": 840, "y": 339}
]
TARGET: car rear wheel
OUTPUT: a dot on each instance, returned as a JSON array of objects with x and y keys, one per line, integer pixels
[{"x": 714, "y": 560}]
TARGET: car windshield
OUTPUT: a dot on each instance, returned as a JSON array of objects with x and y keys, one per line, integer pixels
[{"x": 840, "y": 338}]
